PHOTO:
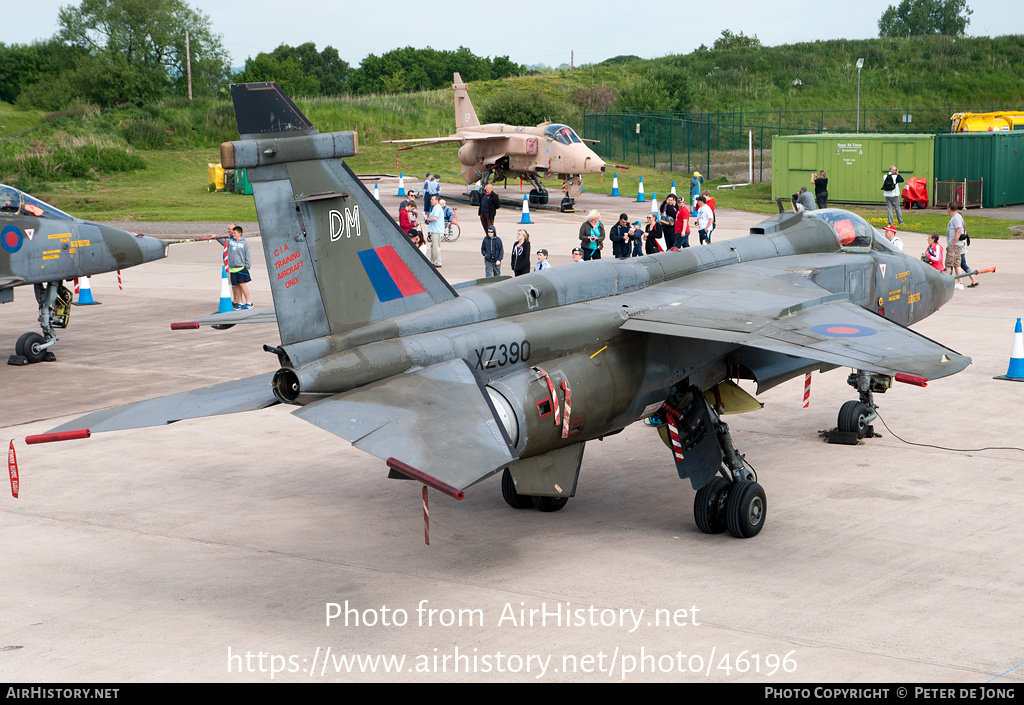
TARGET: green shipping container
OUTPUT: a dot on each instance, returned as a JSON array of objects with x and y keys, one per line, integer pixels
[
  {"x": 854, "y": 163},
  {"x": 242, "y": 184},
  {"x": 997, "y": 158}
]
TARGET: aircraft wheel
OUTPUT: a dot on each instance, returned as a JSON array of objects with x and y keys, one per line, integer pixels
[
  {"x": 853, "y": 418},
  {"x": 509, "y": 494},
  {"x": 28, "y": 347},
  {"x": 549, "y": 504},
  {"x": 745, "y": 509},
  {"x": 709, "y": 506},
  {"x": 474, "y": 198},
  {"x": 538, "y": 198}
]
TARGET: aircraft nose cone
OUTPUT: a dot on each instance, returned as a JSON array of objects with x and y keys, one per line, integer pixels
[
  {"x": 940, "y": 284},
  {"x": 129, "y": 249},
  {"x": 152, "y": 248}
]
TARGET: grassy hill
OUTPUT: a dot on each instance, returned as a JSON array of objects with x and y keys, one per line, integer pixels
[{"x": 150, "y": 162}]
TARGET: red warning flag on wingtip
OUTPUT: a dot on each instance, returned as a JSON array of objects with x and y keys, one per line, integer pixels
[{"x": 12, "y": 469}]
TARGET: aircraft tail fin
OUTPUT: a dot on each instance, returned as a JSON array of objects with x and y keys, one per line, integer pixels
[
  {"x": 465, "y": 114},
  {"x": 337, "y": 261}
]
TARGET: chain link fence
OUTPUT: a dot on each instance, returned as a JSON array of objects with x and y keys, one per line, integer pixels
[{"x": 716, "y": 143}]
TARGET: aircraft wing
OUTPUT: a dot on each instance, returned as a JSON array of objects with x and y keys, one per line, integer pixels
[
  {"x": 420, "y": 142},
  {"x": 808, "y": 322},
  {"x": 227, "y": 398},
  {"x": 464, "y": 137},
  {"x": 438, "y": 419}
]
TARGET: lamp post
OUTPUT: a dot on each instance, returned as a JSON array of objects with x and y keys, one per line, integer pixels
[{"x": 860, "y": 65}]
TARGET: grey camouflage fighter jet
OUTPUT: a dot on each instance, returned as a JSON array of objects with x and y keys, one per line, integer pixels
[
  {"x": 452, "y": 385},
  {"x": 43, "y": 246}
]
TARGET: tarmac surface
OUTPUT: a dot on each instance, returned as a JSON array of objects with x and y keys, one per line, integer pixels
[{"x": 183, "y": 553}]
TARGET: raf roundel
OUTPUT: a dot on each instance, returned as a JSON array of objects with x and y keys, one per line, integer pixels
[
  {"x": 11, "y": 238},
  {"x": 842, "y": 330}
]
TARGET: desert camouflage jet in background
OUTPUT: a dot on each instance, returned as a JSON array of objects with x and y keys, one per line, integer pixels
[
  {"x": 489, "y": 152},
  {"x": 516, "y": 376},
  {"x": 43, "y": 246}
]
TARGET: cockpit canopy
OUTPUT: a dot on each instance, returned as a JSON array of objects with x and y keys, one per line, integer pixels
[
  {"x": 15, "y": 202},
  {"x": 854, "y": 232},
  {"x": 562, "y": 133}
]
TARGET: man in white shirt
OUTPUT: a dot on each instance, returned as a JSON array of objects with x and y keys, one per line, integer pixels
[
  {"x": 435, "y": 226},
  {"x": 891, "y": 191},
  {"x": 704, "y": 219}
]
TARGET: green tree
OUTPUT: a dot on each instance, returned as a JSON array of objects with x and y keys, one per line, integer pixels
[
  {"x": 33, "y": 67},
  {"x": 143, "y": 41},
  {"x": 413, "y": 69},
  {"x": 728, "y": 40},
  {"x": 329, "y": 70},
  {"x": 287, "y": 72},
  {"x": 913, "y": 18}
]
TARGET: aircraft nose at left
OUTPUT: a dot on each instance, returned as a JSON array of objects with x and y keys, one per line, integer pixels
[{"x": 130, "y": 249}]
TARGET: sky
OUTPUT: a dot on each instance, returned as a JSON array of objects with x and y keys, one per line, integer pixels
[{"x": 532, "y": 33}]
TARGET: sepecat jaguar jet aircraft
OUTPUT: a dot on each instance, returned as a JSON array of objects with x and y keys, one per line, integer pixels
[
  {"x": 43, "y": 246},
  {"x": 451, "y": 386}
]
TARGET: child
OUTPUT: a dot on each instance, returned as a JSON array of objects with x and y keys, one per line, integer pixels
[
  {"x": 542, "y": 261},
  {"x": 933, "y": 255}
]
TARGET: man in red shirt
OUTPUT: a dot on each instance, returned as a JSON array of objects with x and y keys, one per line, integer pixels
[{"x": 682, "y": 226}]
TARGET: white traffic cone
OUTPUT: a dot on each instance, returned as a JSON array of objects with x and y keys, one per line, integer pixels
[
  {"x": 1015, "y": 373},
  {"x": 85, "y": 294},
  {"x": 525, "y": 220},
  {"x": 376, "y": 192},
  {"x": 615, "y": 184},
  {"x": 640, "y": 198},
  {"x": 673, "y": 191},
  {"x": 654, "y": 204},
  {"x": 401, "y": 185}
]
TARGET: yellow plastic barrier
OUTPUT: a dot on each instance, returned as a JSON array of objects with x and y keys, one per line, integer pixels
[{"x": 216, "y": 176}]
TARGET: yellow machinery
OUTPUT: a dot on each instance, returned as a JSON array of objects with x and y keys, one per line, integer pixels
[{"x": 987, "y": 122}]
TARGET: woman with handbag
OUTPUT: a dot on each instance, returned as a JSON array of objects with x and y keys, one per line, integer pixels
[{"x": 592, "y": 236}]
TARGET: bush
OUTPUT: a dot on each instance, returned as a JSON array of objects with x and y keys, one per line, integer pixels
[
  {"x": 522, "y": 108},
  {"x": 143, "y": 133}
]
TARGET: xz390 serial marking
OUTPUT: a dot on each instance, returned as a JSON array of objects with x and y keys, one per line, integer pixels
[{"x": 501, "y": 355}]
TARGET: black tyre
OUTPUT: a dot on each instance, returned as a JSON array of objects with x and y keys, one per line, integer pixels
[
  {"x": 549, "y": 504},
  {"x": 474, "y": 198},
  {"x": 538, "y": 198},
  {"x": 28, "y": 347},
  {"x": 709, "y": 506},
  {"x": 509, "y": 494},
  {"x": 853, "y": 418},
  {"x": 745, "y": 509}
]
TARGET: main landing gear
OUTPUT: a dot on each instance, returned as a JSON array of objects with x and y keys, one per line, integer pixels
[
  {"x": 54, "y": 311},
  {"x": 728, "y": 495},
  {"x": 518, "y": 501},
  {"x": 732, "y": 501}
]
